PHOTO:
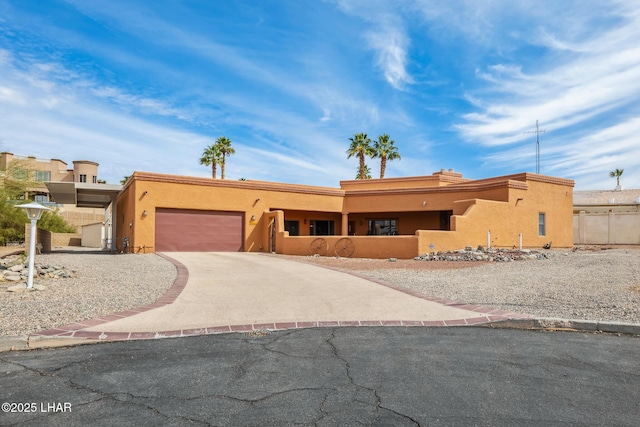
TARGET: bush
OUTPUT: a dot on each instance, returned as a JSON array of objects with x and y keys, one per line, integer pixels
[
  {"x": 53, "y": 222},
  {"x": 12, "y": 221}
]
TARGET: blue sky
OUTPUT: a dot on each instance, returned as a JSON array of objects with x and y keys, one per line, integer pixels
[{"x": 147, "y": 85}]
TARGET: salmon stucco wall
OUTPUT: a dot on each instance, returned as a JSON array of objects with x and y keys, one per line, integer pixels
[
  {"x": 125, "y": 211},
  {"x": 150, "y": 191},
  {"x": 401, "y": 247},
  {"x": 504, "y": 206},
  {"x": 500, "y": 224}
]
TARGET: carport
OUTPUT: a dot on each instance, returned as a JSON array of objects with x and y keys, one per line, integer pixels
[{"x": 86, "y": 195}]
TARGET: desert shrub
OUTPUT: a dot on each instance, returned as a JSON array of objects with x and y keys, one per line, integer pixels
[{"x": 53, "y": 222}]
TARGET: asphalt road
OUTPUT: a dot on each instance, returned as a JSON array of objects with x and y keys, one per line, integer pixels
[{"x": 331, "y": 376}]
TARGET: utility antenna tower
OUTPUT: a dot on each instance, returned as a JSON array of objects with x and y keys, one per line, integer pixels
[{"x": 538, "y": 131}]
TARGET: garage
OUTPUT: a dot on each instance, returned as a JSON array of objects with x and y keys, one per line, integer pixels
[{"x": 187, "y": 230}]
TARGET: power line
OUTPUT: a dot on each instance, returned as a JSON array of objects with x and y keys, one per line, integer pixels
[{"x": 538, "y": 131}]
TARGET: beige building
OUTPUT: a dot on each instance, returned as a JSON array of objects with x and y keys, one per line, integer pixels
[
  {"x": 38, "y": 171},
  {"x": 604, "y": 217}
]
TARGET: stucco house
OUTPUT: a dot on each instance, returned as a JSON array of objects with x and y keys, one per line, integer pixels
[
  {"x": 375, "y": 218},
  {"x": 83, "y": 173}
]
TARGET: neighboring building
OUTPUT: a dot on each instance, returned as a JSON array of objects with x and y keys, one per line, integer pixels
[
  {"x": 55, "y": 170},
  {"x": 606, "y": 217},
  {"x": 376, "y": 218}
]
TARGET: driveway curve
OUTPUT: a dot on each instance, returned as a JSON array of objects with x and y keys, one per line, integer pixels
[{"x": 226, "y": 292}]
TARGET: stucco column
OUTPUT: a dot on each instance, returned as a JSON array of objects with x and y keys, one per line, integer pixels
[
  {"x": 114, "y": 216},
  {"x": 345, "y": 224},
  {"x": 582, "y": 228}
]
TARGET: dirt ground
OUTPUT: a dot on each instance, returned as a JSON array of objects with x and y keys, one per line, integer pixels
[
  {"x": 362, "y": 264},
  {"x": 382, "y": 264}
]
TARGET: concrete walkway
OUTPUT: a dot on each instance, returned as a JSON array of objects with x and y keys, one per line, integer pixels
[{"x": 227, "y": 292}]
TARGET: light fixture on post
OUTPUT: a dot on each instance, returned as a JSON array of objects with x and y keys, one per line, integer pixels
[{"x": 34, "y": 212}]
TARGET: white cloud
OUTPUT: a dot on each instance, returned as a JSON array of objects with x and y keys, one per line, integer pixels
[
  {"x": 142, "y": 104},
  {"x": 584, "y": 157},
  {"x": 12, "y": 96},
  {"x": 326, "y": 116},
  {"x": 45, "y": 117},
  {"x": 391, "y": 44},
  {"x": 386, "y": 35},
  {"x": 605, "y": 76}
]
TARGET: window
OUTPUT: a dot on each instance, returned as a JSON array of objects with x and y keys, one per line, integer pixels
[
  {"x": 42, "y": 176},
  {"x": 293, "y": 227},
  {"x": 95, "y": 179},
  {"x": 83, "y": 178},
  {"x": 321, "y": 228},
  {"x": 382, "y": 227},
  {"x": 41, "y": 198},
  {"x": 541, "y": 224}
]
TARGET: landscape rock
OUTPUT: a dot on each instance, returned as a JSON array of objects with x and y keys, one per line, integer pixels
[
  {"x": 14, "y": 270},
  {"x": 22, "y": 287},
  {"x": 481, "y": 254}
]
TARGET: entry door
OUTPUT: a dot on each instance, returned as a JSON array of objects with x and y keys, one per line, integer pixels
[{"x": 445, "y": 220}]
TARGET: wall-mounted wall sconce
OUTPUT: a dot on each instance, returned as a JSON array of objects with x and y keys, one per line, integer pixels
[
  {"x": 253, "y": 218},
  {"x": 145, "y": 213},
  {"x": 305, "y": 221},
  {"x": 424, "y": 203},
  {"x": 130, "y": 224}
]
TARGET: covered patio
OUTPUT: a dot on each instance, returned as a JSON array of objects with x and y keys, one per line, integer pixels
[{"x": 86, "y": 195}]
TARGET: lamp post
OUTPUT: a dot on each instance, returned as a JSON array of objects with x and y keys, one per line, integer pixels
[{"x": 34, "y": 212}]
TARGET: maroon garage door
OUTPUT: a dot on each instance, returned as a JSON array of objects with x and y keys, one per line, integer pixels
[{"x": 186, "y": 230}]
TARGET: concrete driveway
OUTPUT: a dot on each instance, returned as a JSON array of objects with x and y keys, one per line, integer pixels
[{"x": 227, "y": 292}]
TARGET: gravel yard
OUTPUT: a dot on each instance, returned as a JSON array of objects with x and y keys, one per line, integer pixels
[
  {"x": 590, "y": 285},
  {"x": 104, "y": 284},
  {"x": 585, "y": 284}
]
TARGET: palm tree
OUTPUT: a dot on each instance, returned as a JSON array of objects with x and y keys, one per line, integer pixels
[
  {"x": 224, "y": 146},
  {"x": 385, "y": 149},
  {"x": 367, "y": 172},
  {"x": 360, "y": 147},
  {"x": 616, "y": 174},
  {"x": 211, "y": 157}
]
